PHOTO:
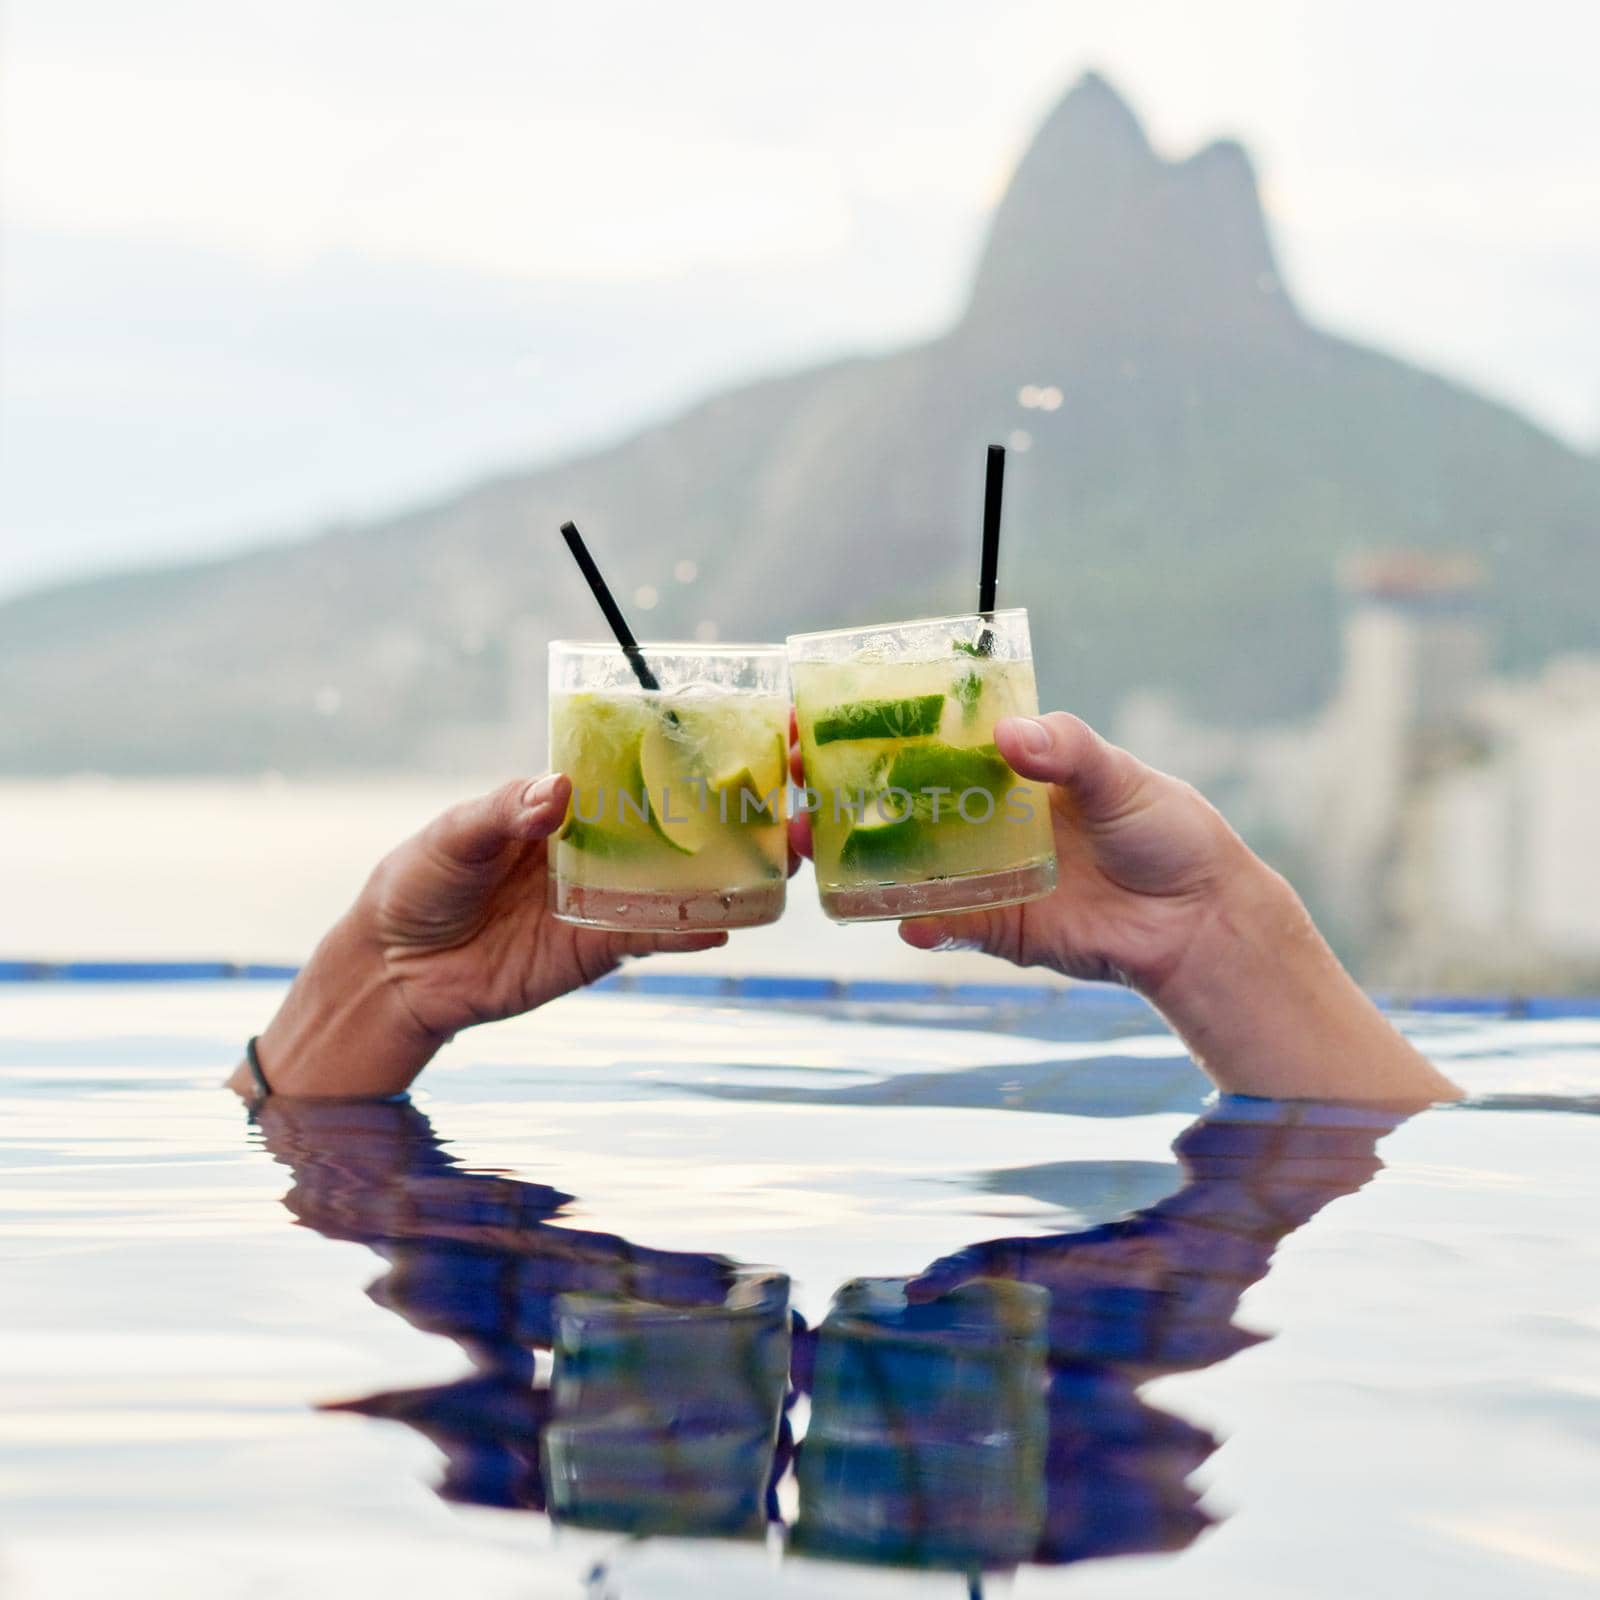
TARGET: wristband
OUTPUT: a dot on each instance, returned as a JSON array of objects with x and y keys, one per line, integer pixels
[{"x": 253, "y": 1059}]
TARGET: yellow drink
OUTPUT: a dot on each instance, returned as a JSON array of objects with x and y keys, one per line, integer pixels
[
  {"x": 678, "y": 806},
  {"x": 913, "y": 809}
]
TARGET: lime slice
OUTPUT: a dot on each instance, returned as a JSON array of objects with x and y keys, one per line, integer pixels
[
  {"x": 609, "y": 844},
  {"x": 955, "y": 768},
  {"x": 613, "y": 793},
  {"x": 741, "y": 798},
  {"x": 881, "y": 719},
  {"x": 763, "y": 786},
  {"x": 847, "y": 766},
  {"x": 768, "y": 773},
  {"x": 878, "y": 846},
  {"x": 676, "y": 783}
]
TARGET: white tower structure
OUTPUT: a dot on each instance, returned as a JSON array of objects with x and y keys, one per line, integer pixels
[{"x": 1415, "y": 658}]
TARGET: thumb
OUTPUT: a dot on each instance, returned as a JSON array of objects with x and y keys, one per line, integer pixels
[
  {"x": 1102, "y": 780},
  {"x": 602, "y": 952},
  {"x": 984, "y": 931},
  {"x": 520, "y": 811},
  {"x": 655, "y": 944}
]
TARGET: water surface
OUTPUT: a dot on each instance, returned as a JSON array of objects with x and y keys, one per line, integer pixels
[{"x": 1279, "y": 1350}]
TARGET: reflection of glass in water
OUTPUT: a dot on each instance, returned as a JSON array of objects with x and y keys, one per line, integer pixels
[
  {"x": 665, "y": 1417},
  {"x": 927, "y": 1437},
  {"x": 982, "y": 1414}
]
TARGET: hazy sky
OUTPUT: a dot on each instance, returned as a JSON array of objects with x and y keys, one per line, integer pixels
[{"x": 273, "y": 262}]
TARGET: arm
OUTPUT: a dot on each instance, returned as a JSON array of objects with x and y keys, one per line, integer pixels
[
  {"x": 476, "y": 1257},
  {"x": 1156, "y": 1291},
  {"x": 1155, "y": 890},
  {"x": 451, "y": 929}
]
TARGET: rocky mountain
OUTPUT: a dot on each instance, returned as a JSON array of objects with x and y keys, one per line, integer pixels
[{"x": 1203, "y": 458}]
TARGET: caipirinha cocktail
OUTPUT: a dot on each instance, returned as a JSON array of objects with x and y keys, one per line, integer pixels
[
  {"x": 913, "y": 809},
  {"x": 677, "y": 819}
]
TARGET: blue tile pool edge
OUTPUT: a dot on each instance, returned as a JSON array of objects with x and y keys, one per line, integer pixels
[
  {"x": 141, "y": 971},
  {"x": 786, "y": 988},
  {"x": 792, "y": 988}
]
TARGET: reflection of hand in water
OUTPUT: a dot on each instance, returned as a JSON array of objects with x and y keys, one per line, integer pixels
[
  {"x": 921, "y": 1445},
  {"x": 1156, "y": 1293},
  {"x": 472, "y": 1256}
]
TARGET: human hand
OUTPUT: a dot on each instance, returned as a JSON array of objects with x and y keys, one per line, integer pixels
[
  {"x": 1156, "y": 891},
  {"x": 1141, "y": 860},
  {"x": 451, "y": 929},
  {"x": 460, "y": 914}
]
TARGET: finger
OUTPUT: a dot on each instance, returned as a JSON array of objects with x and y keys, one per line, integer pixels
[
  {"x": 972, "y": 931},
  {"x": 478, "y": 830},
  {"x": 800, "y": 835},
  {"x": 1103, "y": 781},
  {"x": 544, "y": 806},
  {"x": 937, "y": 1281},
  {"x": 653, "y": 944}
]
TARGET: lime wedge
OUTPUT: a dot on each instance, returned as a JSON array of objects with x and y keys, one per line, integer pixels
[
  {"x": 679, "y": 810},
  {"x": 740, "y": 797},
  {"x": 610, "y": 844},
  {"x": 881, "y": 719},
  {"x": 878, "y": 846},
  {"x": 761, "y": 783},
  {"x": 613, "y": 793},
  {"x": 955, "y": 768}
]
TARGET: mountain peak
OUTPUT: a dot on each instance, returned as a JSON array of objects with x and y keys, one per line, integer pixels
[
  {"x": 1097, "y": 234},
  {"x": 1092, "y": 114}
]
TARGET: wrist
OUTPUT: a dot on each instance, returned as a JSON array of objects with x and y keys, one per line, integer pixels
[
  {"x": 1251, "y": 927},
  {"x": 343, "y": 1028},
  {"x": 1266, "y": 1008}
]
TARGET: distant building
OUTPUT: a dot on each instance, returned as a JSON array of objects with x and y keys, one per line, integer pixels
[
  {"x": 1440, "y": 822},
  {"x": 1501, "y": 851}
]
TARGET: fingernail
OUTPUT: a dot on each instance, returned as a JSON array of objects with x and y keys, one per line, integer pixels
[
  {"x": 536, "y": 794},
  {"x": 1032, "y": 735}
]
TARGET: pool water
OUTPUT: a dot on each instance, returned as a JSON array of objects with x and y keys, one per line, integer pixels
[{"x": 1114, "y": 1337}]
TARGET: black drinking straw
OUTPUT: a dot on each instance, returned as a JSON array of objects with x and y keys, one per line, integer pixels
[
  {"x": 994, "y": 483},
  {"x": 614, "y": 617}
]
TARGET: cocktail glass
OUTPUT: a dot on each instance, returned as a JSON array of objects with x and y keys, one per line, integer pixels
[
  {"x": 677, "y": 820},
  {"x": 913, "y": 809}
]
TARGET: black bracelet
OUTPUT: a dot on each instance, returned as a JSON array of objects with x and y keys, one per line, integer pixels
[{"x": 252, "y": 1057}]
